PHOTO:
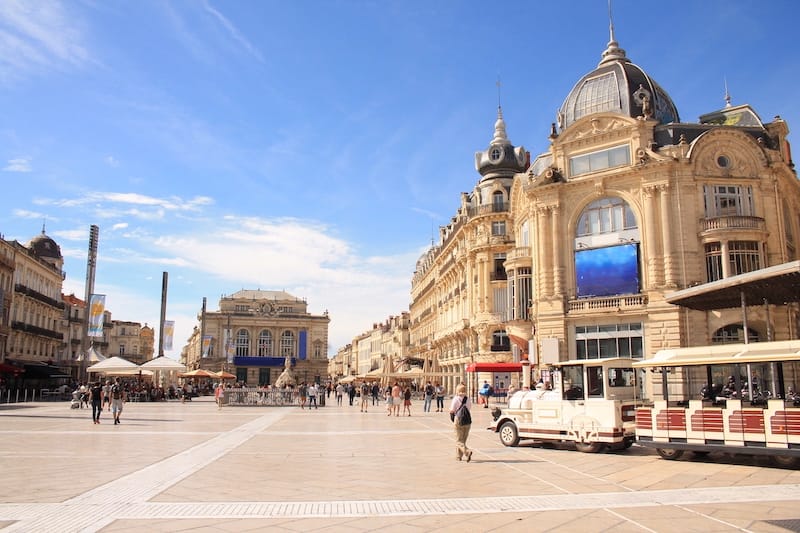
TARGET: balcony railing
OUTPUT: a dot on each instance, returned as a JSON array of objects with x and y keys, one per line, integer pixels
[
  {"x": 36, "y": 295},
  {"x": 604, "y": 304},
  {"x": 734, "y": 222}
]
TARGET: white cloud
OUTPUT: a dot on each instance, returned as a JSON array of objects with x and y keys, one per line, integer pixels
[
  {"x": 20, "y": 164},
  {"x": 112, "y": 161},
  {"x": 24, "y": 213},
  {"x": 234, "y": 32},
  {"x": 119, "y": 225},
  {"x": 37, "y": 36}
]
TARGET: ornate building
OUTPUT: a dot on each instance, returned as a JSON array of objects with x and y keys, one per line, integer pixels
[
  {"x": 571, "y": 256},
  {"x": 629, "y": 204},
  {"x": 263, "y": 329},
  {"x": 459, "y": 304}
]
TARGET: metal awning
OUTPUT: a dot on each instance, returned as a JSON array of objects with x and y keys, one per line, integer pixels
[
  {"x": 724, "y": 354},
  {"x": 779, "y": 285}
]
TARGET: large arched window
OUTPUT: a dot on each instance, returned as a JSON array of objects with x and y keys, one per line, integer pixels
[
  {"x": 242, "y": 342},
  {"x": 287, "y": 344},
  {"x": 733, "y": 334},
  {"x": 265, "y": 343},
  {"x": 606, "y": 215}
]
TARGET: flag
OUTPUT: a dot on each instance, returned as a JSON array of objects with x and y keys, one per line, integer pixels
[
  {"x": 169, "y": 330},
  {"x": 97, "y": 307},
  {"x": 206, "y": 344}
]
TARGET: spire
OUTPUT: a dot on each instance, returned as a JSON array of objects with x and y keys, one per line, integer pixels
[
  {"x": 612, "y": 52},
  {"x": 727, "y": 94},
  {"x": 500, "y": 136}
]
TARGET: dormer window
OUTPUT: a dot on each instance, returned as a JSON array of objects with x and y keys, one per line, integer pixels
[{"x": 495, "y": 154}]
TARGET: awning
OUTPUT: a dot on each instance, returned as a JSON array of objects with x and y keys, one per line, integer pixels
[
  {"x": 494, "y": 367},
  {"x": 5, "y": 368},
  {"x": 723, "y": 354},
  {"x": 779, "y": 284},
  {"x": 37, "y": 370}
]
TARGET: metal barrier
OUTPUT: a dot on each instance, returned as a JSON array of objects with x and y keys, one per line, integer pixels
[{"x": 254, "y": 396}]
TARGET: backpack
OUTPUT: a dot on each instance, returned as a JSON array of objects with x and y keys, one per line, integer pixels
[
  {"x": 462, "y": 416},
  {"x": 115, "y": 392}
]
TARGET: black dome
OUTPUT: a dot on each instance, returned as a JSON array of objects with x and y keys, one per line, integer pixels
[
  {"x": 617, "y": 86},
  {"x": 45, "y": 247}
]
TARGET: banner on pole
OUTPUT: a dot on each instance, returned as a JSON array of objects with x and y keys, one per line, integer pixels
[
  {"x": 228, "y": 346},
  {"x": 169, "y": 331},
  {"x": 206, "y": 344},
  {"x": 97, "y": 307}
]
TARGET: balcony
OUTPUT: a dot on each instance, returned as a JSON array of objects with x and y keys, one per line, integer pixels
[
  {"x": 22, "y": 289},
  {"x": 633, "y": 302},
  {"x": 36, "y": 330},
  {"x": 733, "y": 222}
]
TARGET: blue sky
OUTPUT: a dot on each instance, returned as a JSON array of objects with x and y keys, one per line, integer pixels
[{"x": 315, "y": 146}]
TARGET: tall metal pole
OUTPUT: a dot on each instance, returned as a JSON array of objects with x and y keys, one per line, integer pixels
[
  {"x": 91, "y": 266},
  {"x": 202, "y": 329},
  {"x": 164, "y": 278}
]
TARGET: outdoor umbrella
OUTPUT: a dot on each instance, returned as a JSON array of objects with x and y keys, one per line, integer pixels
[
  {"x": 199, "y": 373},
  {"x": 112, "y": 364},
  {"x": 164, "y": 363},
  {"x": 224, "y": 375}
]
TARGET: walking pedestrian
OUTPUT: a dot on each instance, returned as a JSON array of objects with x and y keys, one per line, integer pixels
[
  {"x": 439, "y": 398},
  {"x": 397, "y": 398},
  {"x": 429, "y": 393},
  {"x": 312, "y": 395},
  {"x": 364, "y": 396},
  {"x": 462, "y": 421},
  {"x": 407, "y": 401},
  {"x": 117, "y": 399},
  {"x": 96, "y": 396},
  {"x": 339, "y": 393}
]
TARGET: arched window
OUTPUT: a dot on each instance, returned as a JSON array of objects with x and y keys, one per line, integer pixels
[
  {"x": 500, "y": 341},
  {"x": 265, "y": 343},
  {"x": 733, "y": 334},
  {"x": 498, "y": 201},
  {"x": 606, "y": 215},
  {"x": 287, "y": 344},
  {"x": 242, "y": 342}
]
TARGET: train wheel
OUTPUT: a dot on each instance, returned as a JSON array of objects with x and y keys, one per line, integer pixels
[
  {"x": 589, "y": 447},
  {"x": 508, "y": 434},
  {"x": 669, "y": 453},
  {"x": 786, "y": 461}
]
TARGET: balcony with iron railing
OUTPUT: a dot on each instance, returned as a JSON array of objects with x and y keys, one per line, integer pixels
[{"x": 733, "y": 222}]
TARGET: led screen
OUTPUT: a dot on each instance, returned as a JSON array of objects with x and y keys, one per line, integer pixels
[{"x": 607, "y": 271}]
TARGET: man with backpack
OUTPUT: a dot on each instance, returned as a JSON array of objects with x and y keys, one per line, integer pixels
[
  {"x": 429, "y": 393},
  {"x": 117, "y": 399}
]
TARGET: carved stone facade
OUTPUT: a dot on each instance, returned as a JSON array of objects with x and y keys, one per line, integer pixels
[{"x": 263, "y": 328}]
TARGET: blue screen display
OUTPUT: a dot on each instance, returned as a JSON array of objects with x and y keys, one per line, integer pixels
[{"x": 607, "y": 271}]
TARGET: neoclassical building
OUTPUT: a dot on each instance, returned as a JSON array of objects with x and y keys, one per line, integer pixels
[
  {"x": 629, "y": 204},
  {"x": 459, "y": 302},
  {"x": 571, "y": 255},
  {"x": 262, "y": 329}
]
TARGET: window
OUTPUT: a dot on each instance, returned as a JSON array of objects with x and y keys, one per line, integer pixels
[
  {"x": 242, "y": 343},
  {"x": 239, "y": 308},
  {"x": 607, "y": 215},
  {"x": 572, "y": 385},
  {"x": 498, "y": 201},
  {"x": 498, "y": 228},
  {"x": 743, "y": 257},
  {"x": 264, "y": 344},
  {"x": 609, "y": 340},
  {"x": 500, "y": 341},
  {"x": 597, "y": 95},
  {"x": 728, "y": 200},
  {"x": 592, "y": 162},
  {"x": 263, "y": 377},
  {"x": 594, "y": 378},
  {"x": 714, "y": 261},
  {"x": 521, "y": 293},
  {"x": 287, "y": 344},
  {"x": 733, "y": 334},
  {"x": 121, "y": 349},
  {"x": 499, "y": 270}
]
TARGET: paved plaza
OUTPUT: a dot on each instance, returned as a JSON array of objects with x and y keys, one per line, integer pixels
[{"x": 191, "y": 467}]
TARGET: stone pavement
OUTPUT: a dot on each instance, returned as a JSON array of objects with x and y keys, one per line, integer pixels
[{"x": 180, "y": 467}]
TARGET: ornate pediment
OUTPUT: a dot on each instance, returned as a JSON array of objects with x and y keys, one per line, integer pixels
[{"x": 597, "y": 128}]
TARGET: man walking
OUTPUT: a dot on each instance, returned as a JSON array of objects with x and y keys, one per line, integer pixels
[
  {"x": 429, "y": 392},
  {"x": 96, "y": 396},
  {"x": 117, "y": 399}
]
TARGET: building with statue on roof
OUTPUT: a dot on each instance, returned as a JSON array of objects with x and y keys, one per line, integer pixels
[
  {"x": 253, "y": 335},
  {"x": 573, "y": 255}
]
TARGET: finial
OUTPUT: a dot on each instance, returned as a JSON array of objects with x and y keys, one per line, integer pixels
[
  {"x": 498, "y": 90},
  {"x": 44, "y": 222},
  {"x": 500, "y": 136},
  {"x": 612, "y": 52},
  {"x": 727, "y": 94}
]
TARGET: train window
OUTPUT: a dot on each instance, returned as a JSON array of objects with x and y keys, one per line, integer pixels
[
  {"x": 620, "y": 377},
  {"x": 573, "y": 382},
  {"x": 594, "y": 375}
]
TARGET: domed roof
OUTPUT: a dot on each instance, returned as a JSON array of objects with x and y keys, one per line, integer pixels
[
  {"x": 501, "y": 158},
  {"x": 617, "y": 86},
  {"x": 45, "y": 247}
]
